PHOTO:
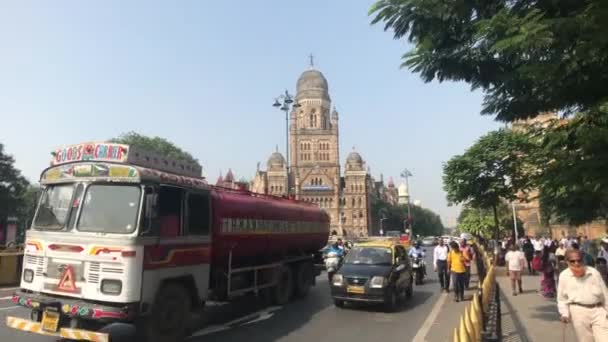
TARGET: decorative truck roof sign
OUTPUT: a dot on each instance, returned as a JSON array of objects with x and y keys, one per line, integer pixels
[{"x": 123, "y": 154}]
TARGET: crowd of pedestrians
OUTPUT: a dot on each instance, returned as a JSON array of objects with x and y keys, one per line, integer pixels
[{"x": 571, "y": 271}]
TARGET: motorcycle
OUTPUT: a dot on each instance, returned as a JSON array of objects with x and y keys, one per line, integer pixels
[
  {"x": 419, "y": 268},
  {"x": 332, "y": 262}
]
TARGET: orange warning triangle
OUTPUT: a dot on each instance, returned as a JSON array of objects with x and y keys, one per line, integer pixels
[{"x": 67, "y": 282}]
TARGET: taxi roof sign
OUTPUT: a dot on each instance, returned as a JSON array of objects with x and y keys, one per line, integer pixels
[{"x": 124, "y": 154}]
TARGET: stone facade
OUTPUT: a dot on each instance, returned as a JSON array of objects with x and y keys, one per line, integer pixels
[{"x": 314, "y": 169}]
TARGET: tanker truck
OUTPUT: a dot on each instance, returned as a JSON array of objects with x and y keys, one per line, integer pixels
[{"x": 126, "y": 235}]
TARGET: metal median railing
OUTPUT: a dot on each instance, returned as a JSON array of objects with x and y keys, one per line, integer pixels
[{"x": 481, "y": 319}]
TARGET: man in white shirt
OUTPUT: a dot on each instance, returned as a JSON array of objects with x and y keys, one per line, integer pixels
[
  {"x": 515, "y": 261},
  {"x": 538, "y": 244},
  {"x": 440, "y": 264},
  {"x": 582, "y": 298}
]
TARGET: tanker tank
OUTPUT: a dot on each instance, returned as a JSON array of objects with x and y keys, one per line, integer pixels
[{"x": 261, "y": 228}]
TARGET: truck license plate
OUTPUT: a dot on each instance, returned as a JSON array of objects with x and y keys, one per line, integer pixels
[
  {"x": 50, "y": 321},
  {"x": 355, "y": 289}
]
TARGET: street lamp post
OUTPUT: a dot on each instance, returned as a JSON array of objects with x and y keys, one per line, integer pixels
[
  {"x": 284, "y": 102},
  {"x": 406, "y": 174},
  {"x": 382, "y": 225}
]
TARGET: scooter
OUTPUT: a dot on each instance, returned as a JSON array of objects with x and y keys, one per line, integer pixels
[
  {"x": 419, "y": 268},
  {"x": 332, "y": 262}
]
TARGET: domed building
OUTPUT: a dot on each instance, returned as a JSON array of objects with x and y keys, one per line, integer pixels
[{"x": 314, "y": 170}]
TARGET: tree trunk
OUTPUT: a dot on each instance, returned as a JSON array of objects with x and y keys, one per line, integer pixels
[{"x": 497, "y": 235}]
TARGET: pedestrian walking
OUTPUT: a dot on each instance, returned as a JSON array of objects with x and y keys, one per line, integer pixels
[
  {"x": 561, "y": 250},
  {"x": 467, "y": 252},
  {"x": 587, "y": 258},
  {"x": 515, "y": 261},
  {"x": 528, "y": 249},
  {"x": 582, "y": 298},
  {"x": 440, "y": 263},
  {"x": 457, "y": 269},
  {"x": 547, "y": 280}
]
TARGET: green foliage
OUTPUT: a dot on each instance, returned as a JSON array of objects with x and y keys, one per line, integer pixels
[
  {"x": 13, "y": 187},
  {"x": 157, "y": 144},
  {"x": 489, "y": 172},
  {"x": 573, "y": 159},
  {"x": 424, "y": 221},
  {"x": 527, "y": 56},
  {"x": 480, "y": 222}
]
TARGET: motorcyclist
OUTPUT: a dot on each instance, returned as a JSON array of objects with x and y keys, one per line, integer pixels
[
  {"x": 416, "y": 251},
  {"x": 336, "y": 248}
]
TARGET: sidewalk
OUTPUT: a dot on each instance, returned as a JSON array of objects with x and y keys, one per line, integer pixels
[
  {"x": 535, "y": 317},
  {"x": 449, "y": 317}
]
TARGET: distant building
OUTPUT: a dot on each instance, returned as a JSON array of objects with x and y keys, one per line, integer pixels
[
  {"x": 314, "y": 170},
  {"x": 229, "y": 182}
]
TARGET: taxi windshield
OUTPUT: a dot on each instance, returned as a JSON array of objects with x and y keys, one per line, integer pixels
[
  {"x": 369, "y": 256},
  {"x": 110, "y": 209}
]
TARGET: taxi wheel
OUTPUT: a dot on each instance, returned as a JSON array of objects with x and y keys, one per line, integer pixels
[
  {"x": 409, "y": 291},
  {"x": 339, "y": 303},
  {"x": 391, "y": 301}
]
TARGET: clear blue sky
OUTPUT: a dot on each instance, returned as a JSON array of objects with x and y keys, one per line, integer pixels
[{"x": 203, "y": 74}]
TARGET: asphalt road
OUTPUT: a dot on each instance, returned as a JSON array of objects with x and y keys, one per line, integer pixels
[{"x": 311, "y": 319}]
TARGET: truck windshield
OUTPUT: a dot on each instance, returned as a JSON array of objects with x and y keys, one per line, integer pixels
[
  {"x": 110, "y": 209},
  {"x": 54, "y": 207},
  {"x": 369, "y": 256}
]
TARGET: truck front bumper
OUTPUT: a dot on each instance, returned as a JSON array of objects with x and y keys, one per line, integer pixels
[{"x": 67, "y": 333}]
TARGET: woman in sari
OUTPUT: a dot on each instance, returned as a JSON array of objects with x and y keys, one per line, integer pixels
[{"x": 547, "y": 280}]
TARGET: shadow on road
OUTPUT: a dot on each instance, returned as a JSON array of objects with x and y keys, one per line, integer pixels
[
  {"x": 284, "y": 321},
  {"x": 419, "y": 298}
]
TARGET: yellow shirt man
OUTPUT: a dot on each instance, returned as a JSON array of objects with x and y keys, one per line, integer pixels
[{"x": 456, "y": 262}]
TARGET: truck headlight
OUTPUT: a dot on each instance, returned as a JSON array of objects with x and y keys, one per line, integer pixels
[
  {"x": 28, "y": 275},
  {"x": 111, "y": 286},
  {"x": 337, "y": 280},
  {"x": 377, "y": 282}
]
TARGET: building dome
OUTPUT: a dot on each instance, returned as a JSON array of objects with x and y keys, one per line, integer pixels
[
  {"x": 276, "y": 159},
  {"x": 312, "y": 84},
  {"x": 354, "y": 158}
]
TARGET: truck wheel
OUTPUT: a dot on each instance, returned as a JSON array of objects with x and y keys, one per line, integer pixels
[
  {"x": 283, "y": 290},
  {"x": 170, "y": 315},
  {"x": 303, "y": 279}
]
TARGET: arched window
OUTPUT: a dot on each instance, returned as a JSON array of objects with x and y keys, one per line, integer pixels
[
  {"x": 311, "y": 120},
  {"x": 359, "y": 201},
  {"x": 353, "y": 202},
  {"x": 360, "y": 214}
]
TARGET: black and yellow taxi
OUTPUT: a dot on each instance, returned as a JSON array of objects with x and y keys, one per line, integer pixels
[{"x": 374, "y": 272}]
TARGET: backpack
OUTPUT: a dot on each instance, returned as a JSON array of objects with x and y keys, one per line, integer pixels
[{"x": 537, "y": 264}]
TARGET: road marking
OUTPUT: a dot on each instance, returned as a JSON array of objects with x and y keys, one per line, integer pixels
[
  {"x": 7, "y": 297},
  {"x": 9, "y": 307},
  {"x": 428, "y": 323},
  {"x": 247, "y": 319}
]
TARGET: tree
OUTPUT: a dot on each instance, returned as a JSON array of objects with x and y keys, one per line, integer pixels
[
  {"x": 13, "y": 187},
  {"x": 157, "y": 144},
  {"x": 489, "y": 173},
  {"x": 573, "y": 158},
  {"x": 480, "y": 222},
  {"x": 425, "y": 221},
  {"x": 527, "y": 56}
]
